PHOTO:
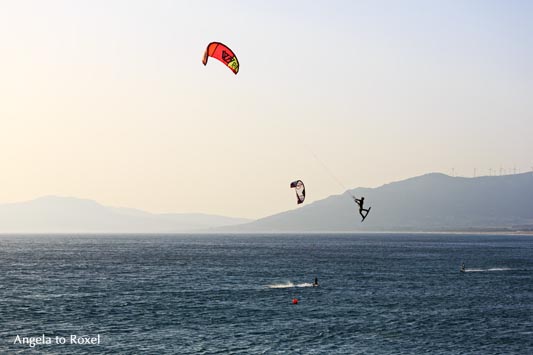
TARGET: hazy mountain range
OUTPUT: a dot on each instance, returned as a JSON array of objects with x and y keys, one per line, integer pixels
[
  {"x": 432, "y": 202},
  {"x": 53, "y": 214}
]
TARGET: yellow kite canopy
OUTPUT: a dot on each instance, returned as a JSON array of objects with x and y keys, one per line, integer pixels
[{"x": 223, "y": 53}]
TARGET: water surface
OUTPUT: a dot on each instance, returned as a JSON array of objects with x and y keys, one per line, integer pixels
[{"x": 232, "y": 294}]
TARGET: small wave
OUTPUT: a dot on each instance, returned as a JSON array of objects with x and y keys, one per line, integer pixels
[{"x": 290, "y": 285}]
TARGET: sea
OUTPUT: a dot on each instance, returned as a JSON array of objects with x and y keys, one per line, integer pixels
[{"x": 389, "y": 293}]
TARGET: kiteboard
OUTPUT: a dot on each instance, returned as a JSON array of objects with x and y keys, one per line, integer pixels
[{"x": 366, "y": 215}]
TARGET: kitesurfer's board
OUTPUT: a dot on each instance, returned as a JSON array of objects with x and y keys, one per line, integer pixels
[{"x": 366, "y": 215}]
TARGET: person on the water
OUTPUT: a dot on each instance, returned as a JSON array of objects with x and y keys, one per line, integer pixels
[
  {"x": 463, "y": 267},
  {"x": 361, "y": 202},
  {"x": 316, "y": 282}
]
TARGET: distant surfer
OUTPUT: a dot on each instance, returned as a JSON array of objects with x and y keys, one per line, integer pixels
[
  {"x": 463, "y": 267},
  {"x": 361, "y": 202},
  {"x": 315, "y": 284}
]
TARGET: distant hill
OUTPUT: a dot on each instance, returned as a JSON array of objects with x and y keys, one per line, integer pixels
[
  {"x": 52, "y": 214},
  {"x": 432, "y": 202}
]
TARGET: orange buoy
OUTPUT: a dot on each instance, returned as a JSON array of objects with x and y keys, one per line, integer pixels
[{"x": 294, "y": 301}]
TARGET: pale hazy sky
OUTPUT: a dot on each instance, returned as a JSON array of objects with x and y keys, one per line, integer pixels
[{"x": 109, "y": 100}]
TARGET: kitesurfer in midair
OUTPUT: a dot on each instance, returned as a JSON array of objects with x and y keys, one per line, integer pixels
[{"x": 361, "y": 202}]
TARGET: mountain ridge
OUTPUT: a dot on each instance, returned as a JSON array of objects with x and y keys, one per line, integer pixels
[
  {"x": 429, "y": 202},
  {"x": 58, "y": 214}
]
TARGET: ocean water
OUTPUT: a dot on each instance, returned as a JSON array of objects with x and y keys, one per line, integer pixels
[{"x": 232, "y": 294}]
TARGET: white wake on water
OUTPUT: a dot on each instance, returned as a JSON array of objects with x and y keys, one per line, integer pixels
[
  {"x": 488, "y": 270},
  {"x": 290, "y": 284}
]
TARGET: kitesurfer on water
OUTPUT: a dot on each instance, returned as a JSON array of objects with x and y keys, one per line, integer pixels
[
  {"x": 463, "y": 267},
  {"x": 361, "y": 202},
  {"x": 315, "y": 284}
]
